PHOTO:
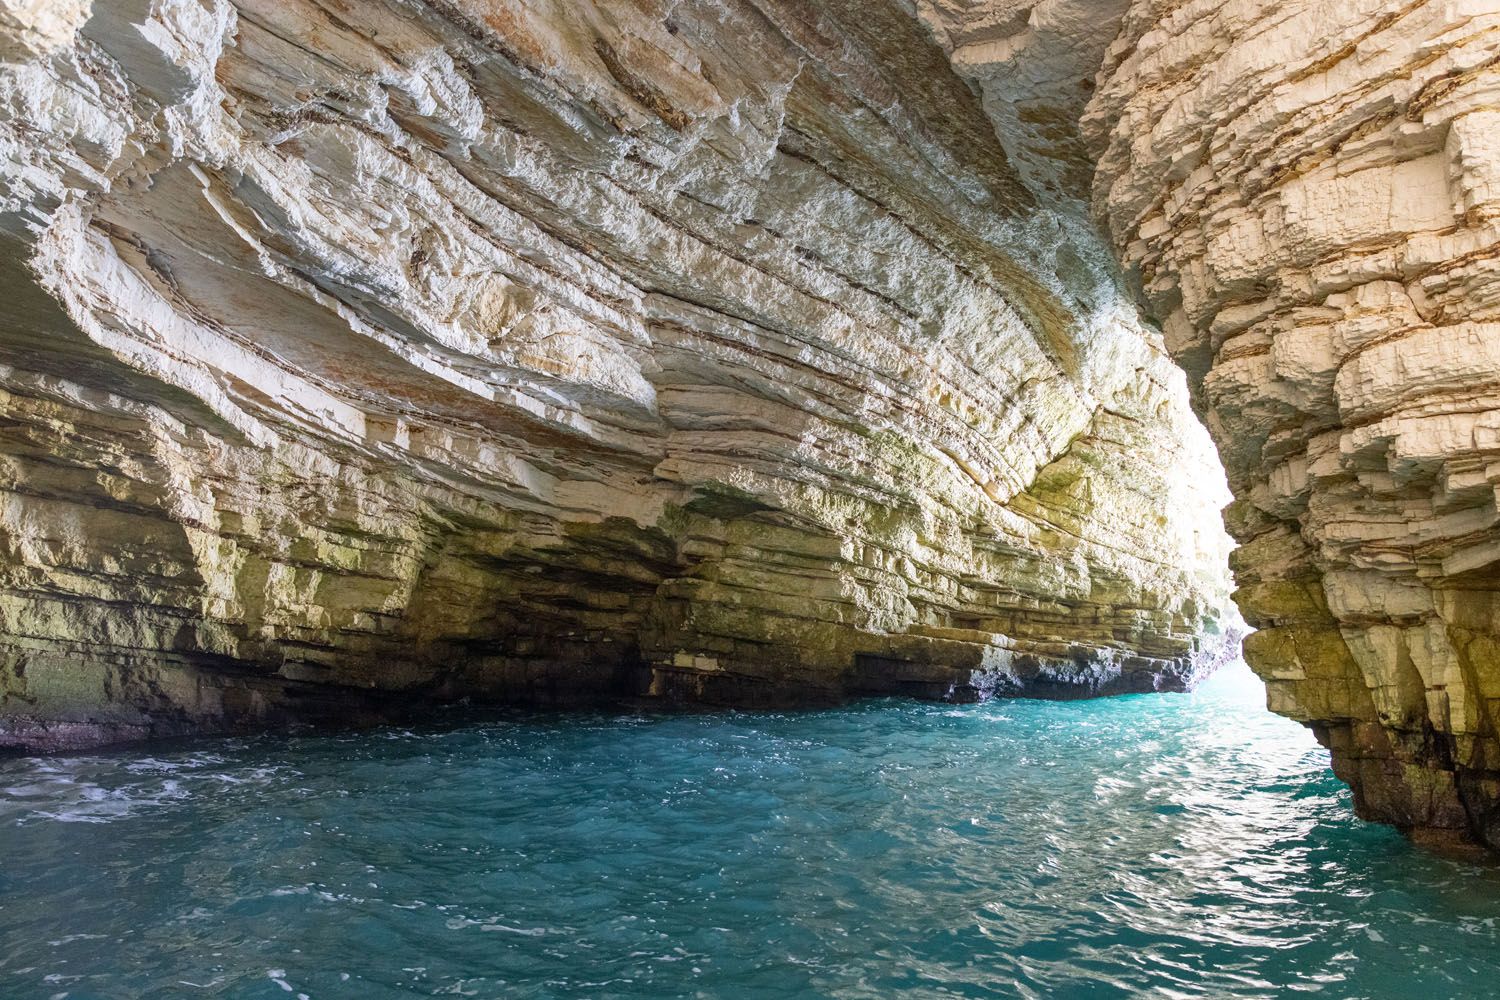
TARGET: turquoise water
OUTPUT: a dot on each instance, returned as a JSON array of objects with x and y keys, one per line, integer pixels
[{"x": 1156, "y": 845}]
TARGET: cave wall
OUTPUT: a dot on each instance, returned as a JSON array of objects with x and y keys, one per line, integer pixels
[
  {"x": 1308, "y": 194},
  {"x": 368, "y": 355},
  {"x": 1305, "y": 196},
  {"x": 364, "y": 355}
]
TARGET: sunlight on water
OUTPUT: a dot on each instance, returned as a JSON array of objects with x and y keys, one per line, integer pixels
[{"x": 1158, "y": 845}]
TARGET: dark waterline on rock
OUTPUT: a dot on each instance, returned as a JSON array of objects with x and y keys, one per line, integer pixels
[{"x": 1179, "y": 846}]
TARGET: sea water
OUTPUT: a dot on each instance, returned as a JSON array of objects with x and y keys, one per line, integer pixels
[{"x": 1154, "y": 845}]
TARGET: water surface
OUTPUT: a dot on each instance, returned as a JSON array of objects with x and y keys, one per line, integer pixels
[{"x": 1155, "y": 845}]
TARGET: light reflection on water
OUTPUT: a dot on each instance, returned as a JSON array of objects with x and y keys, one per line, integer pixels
[{"x": 1173, "y": 846}]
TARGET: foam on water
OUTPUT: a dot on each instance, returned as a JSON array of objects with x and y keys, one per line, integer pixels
[{"x": 1172, "y": 846}]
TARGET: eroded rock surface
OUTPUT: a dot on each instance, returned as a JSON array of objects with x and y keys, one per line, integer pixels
[
  {"x": 365, "y": 354},
  {"x": 1309, "y": 193}
]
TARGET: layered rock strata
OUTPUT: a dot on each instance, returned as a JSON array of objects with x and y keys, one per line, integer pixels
[
  {"x": 1309, "y": 195},
  {"x": 366, "y": 354}
]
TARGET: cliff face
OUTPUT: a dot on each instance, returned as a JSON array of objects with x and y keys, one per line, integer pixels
[
  {"x": 366, "y": 354},
  {"x": 1309, "y": 194},
  {"x": 753, "y": 351}
]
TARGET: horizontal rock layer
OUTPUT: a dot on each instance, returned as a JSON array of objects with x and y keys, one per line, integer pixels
[
  {"x": 1309, "y": 194},
  {"x": 365, "y": 355}
]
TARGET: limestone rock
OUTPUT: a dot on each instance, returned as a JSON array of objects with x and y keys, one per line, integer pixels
[
  {"x": 1307, "y": 194},
  {"x": 366, "y": 355}
]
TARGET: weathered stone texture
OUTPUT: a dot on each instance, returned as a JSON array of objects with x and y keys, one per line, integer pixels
[
  {"x": 1307, "y": 193},
  {"x": 364, "y": 354}
]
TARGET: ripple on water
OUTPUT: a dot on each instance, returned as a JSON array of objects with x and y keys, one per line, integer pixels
[{"x": 1173, "y": 846}]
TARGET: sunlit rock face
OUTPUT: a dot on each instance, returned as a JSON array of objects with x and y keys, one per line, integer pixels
[
  {"x": 1309, "y": 194},
  {"x": 364, "y": 355}
]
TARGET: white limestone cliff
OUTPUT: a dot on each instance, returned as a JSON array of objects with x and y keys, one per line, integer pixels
[
  {"x": 369, "y": 355},
  {"x": 1307, "y": 194}
]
